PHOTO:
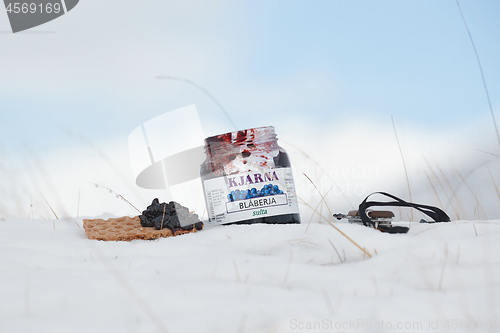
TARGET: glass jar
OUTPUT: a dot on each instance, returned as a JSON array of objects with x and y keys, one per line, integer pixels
[{"x": 247, "y": 178}]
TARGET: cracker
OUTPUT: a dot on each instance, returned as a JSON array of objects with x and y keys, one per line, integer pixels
[{"x": 125, "y": 229}]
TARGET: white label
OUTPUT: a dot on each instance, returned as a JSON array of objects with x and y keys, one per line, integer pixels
[{"x": 250, "y": 195}]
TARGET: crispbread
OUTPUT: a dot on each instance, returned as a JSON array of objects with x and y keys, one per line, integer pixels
[{"x": 125, "y": 229}]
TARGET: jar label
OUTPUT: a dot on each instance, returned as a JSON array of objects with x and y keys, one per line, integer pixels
[{"x": 250, "y": 195}]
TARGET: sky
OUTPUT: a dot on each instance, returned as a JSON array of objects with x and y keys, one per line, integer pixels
[{"x": 73, "y": 89}]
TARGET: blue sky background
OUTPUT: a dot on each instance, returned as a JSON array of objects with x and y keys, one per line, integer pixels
[{"x": 87, "y": 79}]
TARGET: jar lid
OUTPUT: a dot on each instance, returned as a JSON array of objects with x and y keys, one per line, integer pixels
[{"x": 246, "y": 135}]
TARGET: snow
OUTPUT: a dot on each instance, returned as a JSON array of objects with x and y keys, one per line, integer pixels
[{"x": 254, "y": 278}]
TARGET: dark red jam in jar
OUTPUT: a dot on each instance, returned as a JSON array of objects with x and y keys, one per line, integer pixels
[{"x": 247, "y": 178}]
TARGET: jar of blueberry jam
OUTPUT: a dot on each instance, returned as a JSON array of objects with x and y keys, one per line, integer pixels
[{"x": 247, "y": 178}]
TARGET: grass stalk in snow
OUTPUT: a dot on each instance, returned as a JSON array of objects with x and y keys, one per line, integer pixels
[
  {"x": 289, "y": 265},
  {"x": 404, "y": 163},
  {"x": 333, "y": 226},
  {"x": 478, "y": 204},
  {"x": 494, "y": 184},
  {"x": 45, "y": 175},
  {"x": 316, "y": 209},
  {"x": 78, "y": 207},
  {"x": 442, "y": 187},
  {"x": 338, "y": 254},
  {"x": 237, "y": 272},
  {"x": 350, "y": 239},
  {"x": 486, "y": 152},
  {"x": 118, "y": 195},
  {"x": 441, "y": 276},
  {"x": 340, "y": 231},
  {"x": 453, "y": 192},
  {"x": 321, "y": 210},
  {"x": 434, "y": 189},
  {"x": 322, "y": 197},
  {"x": 480, "y": 70},
  {"x": 203, "y": 215},
  {"x": 163, "y": 216},
  {"x": 49, "y": 206}
]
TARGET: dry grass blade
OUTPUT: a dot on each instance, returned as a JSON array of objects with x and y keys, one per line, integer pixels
[
  {"x": 203, "y": 215},
  {"x": 433, "y": 188},
  {"x": 442, "y": 187},
  {"x": 494, "y": 184},
  {"x": 320, "y": 209},
  {"x": 53, "y": 212},
  {"x": 474, "y": 194},
  {"x": 481, "y": 70},
  {"x": 350, "y": 239},
  {"x": 331, "y": 224},
  {"x": 78, "y": 207},
  {"x": 236, "y": 271},
  {"x": 51, "y": 188},
  {"x": 322, "y": 197},
  {"x": 31, "y": 206},
  {"x": 163, "y": 216},
  {"x": 486, "y": 152},
  {"x": 338, "y": 254},
  {"x": 476, "y": 208},
  {"x": 316, "y": 209},
  {"x": 289, "y": 265},
  {"x": 404, "y": 163},
  {"x": 441, "y": 276},
  {"x": 453, "y": 192},
  {"x": 117, "y": 194}
]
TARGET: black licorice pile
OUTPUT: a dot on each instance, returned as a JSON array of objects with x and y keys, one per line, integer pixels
[{"x": 163, "y": 215}]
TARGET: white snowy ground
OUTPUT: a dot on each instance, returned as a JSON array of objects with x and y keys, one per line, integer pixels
[{"x": 256, "y": 278}]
